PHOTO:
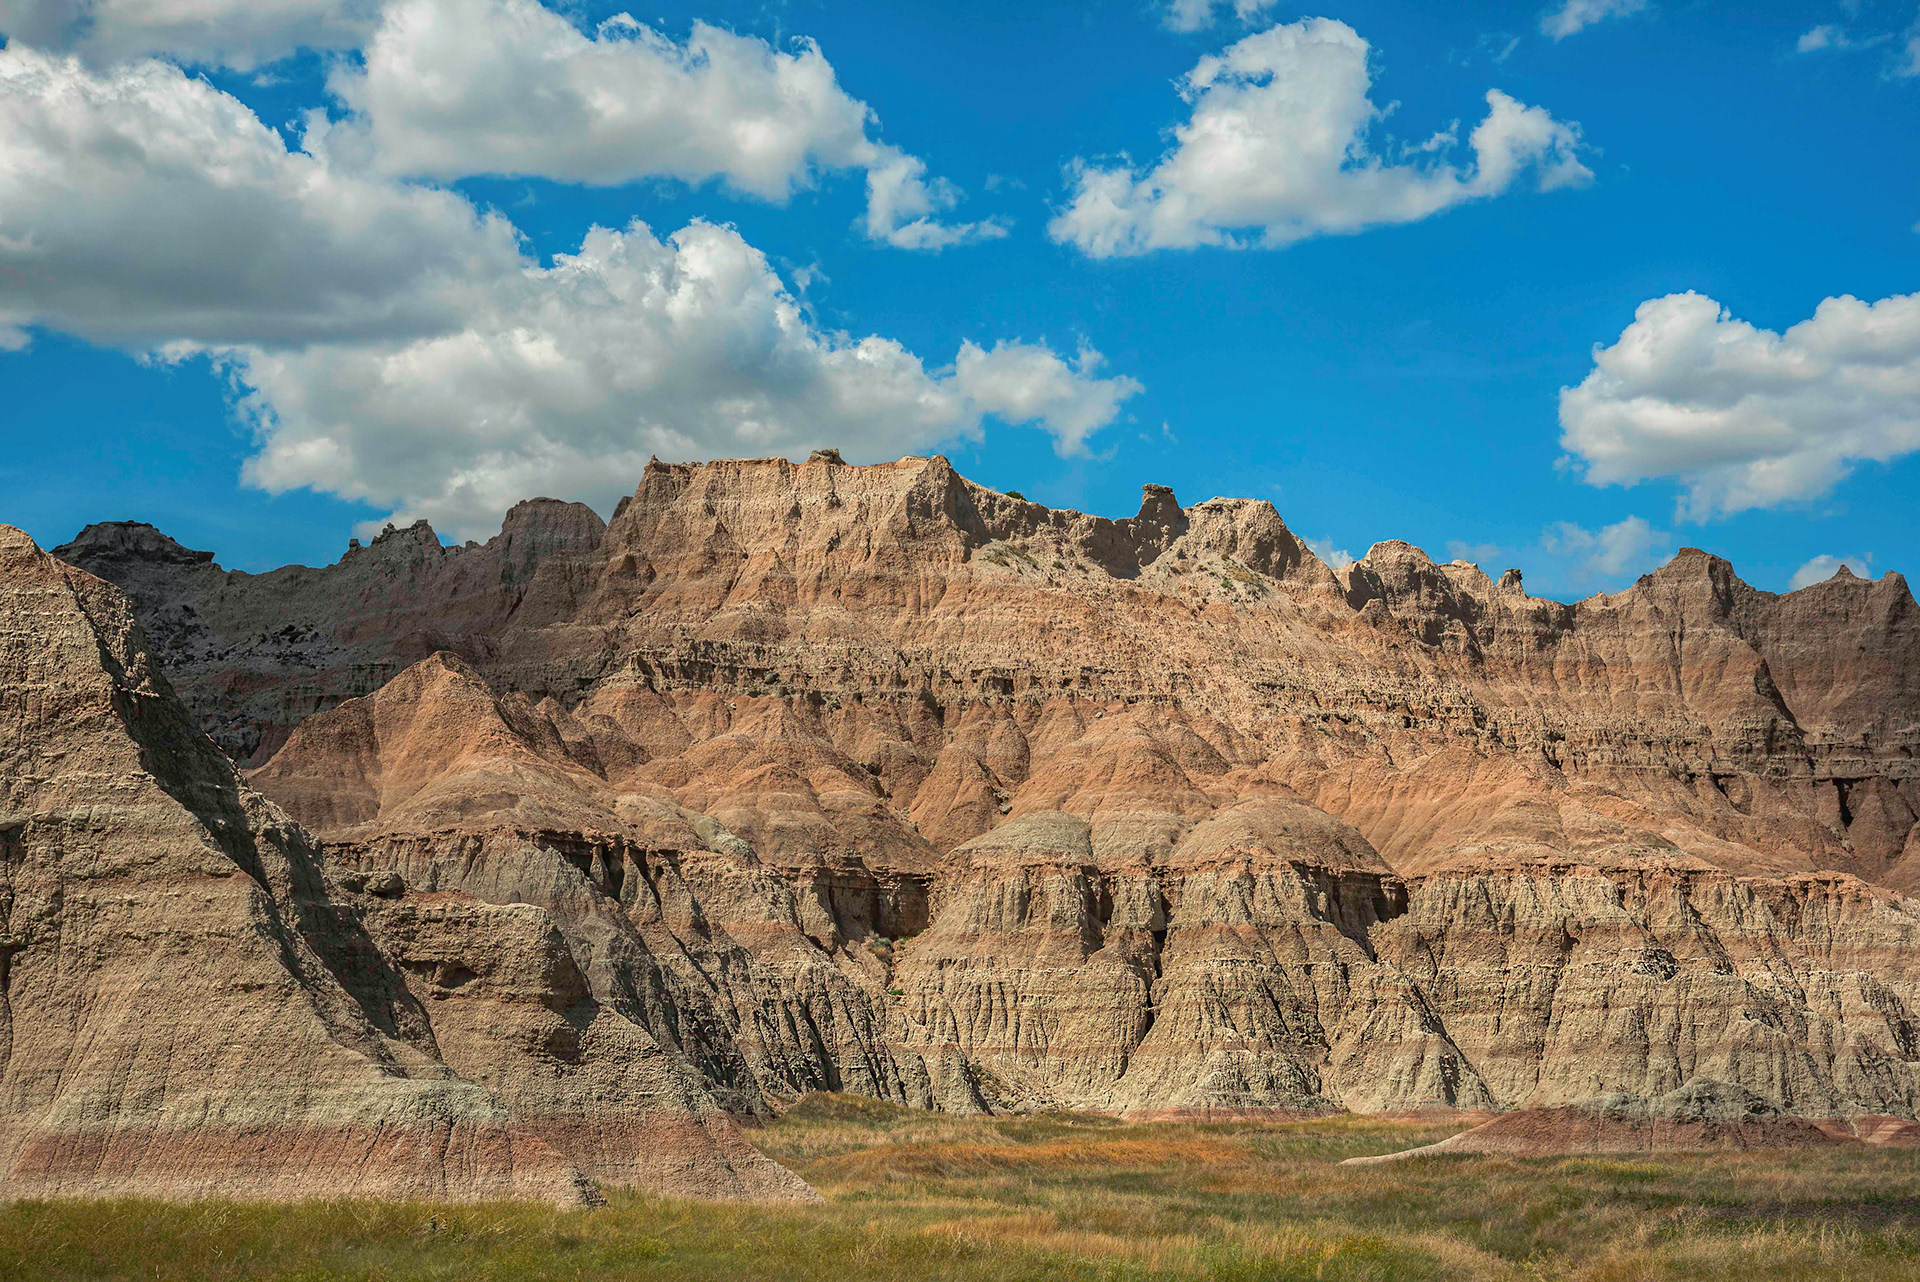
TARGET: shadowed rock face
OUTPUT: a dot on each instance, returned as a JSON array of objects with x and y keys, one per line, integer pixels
[
  {"x": 869, "y": 778},
  {"x": 190, "y": 1006}
]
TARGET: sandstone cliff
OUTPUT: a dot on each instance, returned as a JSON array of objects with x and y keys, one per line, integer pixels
[{"x": 873, "y": 779}]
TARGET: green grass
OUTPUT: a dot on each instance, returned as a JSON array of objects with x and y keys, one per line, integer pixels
[
  {"x": 1008, "y": 556},
  {"x": 926, "y": 1197}
]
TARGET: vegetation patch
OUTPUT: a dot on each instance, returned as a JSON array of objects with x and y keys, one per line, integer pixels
[
  {"x": 1009, "y": 557},
  {"x": 932, "y": 1197}
]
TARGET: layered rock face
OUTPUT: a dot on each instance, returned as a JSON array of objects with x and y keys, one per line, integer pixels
[
  {"x": 872, "y": 779},
  {"x": 191, "y": 1004}
]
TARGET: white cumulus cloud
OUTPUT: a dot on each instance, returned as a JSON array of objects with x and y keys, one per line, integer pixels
[
  {"x": 1029, "y": 383},
  {"x": 1625, "y": 548},
  {"x": 389, "y": 343},
  {"x": 1276, "y": 150},
  {"x": 447, "y": 89},
  {"x": 1577, "y": 15},
  {"x": 1824, "y": 567},
  {"x": 1481, "y": 554},
  {"x": 452, "y": 88},
  {"x": 1194, "y": 15},
  {"x": 236, "y": 33},
  {"x": 140, "y": 205},
  {"x": 1742, "y": 416},
  {"x": 568, "y": 377}
]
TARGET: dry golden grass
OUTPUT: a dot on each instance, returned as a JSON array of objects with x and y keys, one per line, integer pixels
[{"x": 928, "y": 1197}]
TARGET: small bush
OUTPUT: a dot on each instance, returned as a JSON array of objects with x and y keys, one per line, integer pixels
[{"x": 1007, "y": 556}]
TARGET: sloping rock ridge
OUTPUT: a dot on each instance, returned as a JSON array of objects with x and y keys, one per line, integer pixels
[
  {"x": 873, "y": 779},
  {"x": 191, "y": 1003}
]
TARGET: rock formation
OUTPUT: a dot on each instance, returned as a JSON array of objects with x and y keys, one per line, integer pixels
[
  {"x": 869, "y": 778},
  {"x": 190, "y": 1004}
]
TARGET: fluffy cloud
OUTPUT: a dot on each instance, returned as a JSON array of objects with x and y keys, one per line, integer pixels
[
  {"x": 1577, "y": 15},
  {"x": 1028, "y": 383},
  {"x": 446, "y": 89},
  {"x": 1625, "y": 548},
  {"x": 140, "y": 205},
  {"x": 1745, "y": 417},
  {"x": 1193, "y": 15},
  {"x": 901, "y": 202},
  {"x": 1481, "y": 554},
  {"x": 1277, "y": 146},
  {"x": 235, "y": 33},
  {"x": 389, "y": 343},
  {"x": 1824, "y": 567},
  {"x": 1567, "y": 558},
  {"x": 566, "y": 379},
  {"x": 452, "y": 88}
]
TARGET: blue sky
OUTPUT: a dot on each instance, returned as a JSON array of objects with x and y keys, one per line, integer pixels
[{"x": 265, "y": 350}]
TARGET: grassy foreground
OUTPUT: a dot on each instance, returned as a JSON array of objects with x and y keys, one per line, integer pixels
[{"x": 923, "y": 1197}]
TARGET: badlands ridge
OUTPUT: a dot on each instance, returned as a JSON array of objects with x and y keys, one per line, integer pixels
[{"x": 531, "y": 866}]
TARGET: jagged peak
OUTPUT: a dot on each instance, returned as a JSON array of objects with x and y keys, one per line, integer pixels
[
  {"x": 128, "y": 540},
  {"x": 939, "y": 498},
  {"x": 1157, "y": 499},
  {"x": 544, "y": 526},
  {"x": 1468, "y": 575},
  {"x": 934, "y": 499},
  {"x": 1694, "y": 568},
  {"x": 419, "y": 531},
  {"x": 396, "y": 541},
  {"x": 1843, "y": 579},
  {"x": 1692, "y": 562},
  {"x": 1889, "y": 592}
]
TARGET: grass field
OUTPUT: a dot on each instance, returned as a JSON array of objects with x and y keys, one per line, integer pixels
[{"x": 922, "y": 1197}]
